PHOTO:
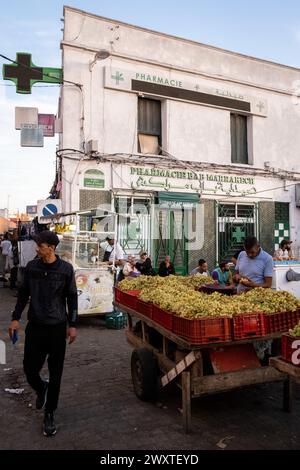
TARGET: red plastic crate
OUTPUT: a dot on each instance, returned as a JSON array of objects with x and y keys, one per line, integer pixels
[
  {"x": 287, "y": 350},
  {"x": 163, "y": 317},
  {"x": 249, "y": 325},
  {"x": 203, "y": 330},
  {"x": 281, "y": 321},
  {"x": 118, "y": 293},
  {"x": 145, "y": 308},
  {"x": 129, "y": 298}
]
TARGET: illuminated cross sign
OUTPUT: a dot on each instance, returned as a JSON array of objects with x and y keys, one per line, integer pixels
[{"x": 25, "y": 74}]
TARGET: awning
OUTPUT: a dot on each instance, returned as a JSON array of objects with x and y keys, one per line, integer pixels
[
  {"x": 178, "y": 197},
  {"x": 167, "y": 200}
]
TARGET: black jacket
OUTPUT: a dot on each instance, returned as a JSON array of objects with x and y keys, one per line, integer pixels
[
  {"x": 50, "y": 287},
  {"x": 145, "y": 268},
  {"x": 164, "y": 271}
]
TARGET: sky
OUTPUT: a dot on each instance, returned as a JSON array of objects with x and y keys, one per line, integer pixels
[{"x": 268, "y": 29}]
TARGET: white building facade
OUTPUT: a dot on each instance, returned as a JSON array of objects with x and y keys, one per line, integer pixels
[{"x": 179, "y": 137}]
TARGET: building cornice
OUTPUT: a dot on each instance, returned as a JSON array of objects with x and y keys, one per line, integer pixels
[{"x": 181, "y": 39}]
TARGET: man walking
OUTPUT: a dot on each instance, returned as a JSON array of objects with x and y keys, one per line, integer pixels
[{"x": 50, "y": 284}]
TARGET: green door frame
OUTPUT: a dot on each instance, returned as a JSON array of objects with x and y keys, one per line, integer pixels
[{"x": 172, "y": 243}]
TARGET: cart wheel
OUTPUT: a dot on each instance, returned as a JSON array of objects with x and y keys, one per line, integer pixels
[{"x": 144, "y": 374}]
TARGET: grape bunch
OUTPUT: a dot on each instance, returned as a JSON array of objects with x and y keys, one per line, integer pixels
[{"x": 295, "y": 331}]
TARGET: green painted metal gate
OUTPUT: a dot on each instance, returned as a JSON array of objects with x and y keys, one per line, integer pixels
[
  {"x": 235, "y": 222},
  {"x": 134, "y": 223},
  {"x": 169, "y": 228}
]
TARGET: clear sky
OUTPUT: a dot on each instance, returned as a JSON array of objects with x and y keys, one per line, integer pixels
[{"x": 269, "y": 29}]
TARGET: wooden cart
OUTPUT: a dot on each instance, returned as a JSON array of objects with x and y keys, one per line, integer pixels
[{"x": 160, "y": 357}]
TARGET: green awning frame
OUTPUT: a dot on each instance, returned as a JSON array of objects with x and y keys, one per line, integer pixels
[{"x": 178, "y": 197}]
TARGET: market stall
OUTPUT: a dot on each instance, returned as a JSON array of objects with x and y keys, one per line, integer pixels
[
  {"x": 80, "y": 244},
  {"x": 215, "y": 349}
]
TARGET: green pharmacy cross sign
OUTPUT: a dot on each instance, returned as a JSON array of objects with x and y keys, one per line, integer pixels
[
  {"x": 25, "y": 74},
  {"x": 238, "y": 234}
]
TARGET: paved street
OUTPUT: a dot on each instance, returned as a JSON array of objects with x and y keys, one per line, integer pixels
[{"x": 98, "y": 409}]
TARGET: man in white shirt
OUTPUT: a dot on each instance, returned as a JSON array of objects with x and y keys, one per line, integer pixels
[
  {"x": 116, "y": 257},
  {"x": 116, "y": 253},
  {"x": 107, "y": 248}
]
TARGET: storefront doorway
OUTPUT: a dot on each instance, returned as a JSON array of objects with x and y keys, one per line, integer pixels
[{"x": 170, "y": 228}]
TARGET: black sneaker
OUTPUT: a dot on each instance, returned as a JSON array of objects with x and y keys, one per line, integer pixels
[
  {"x": 42, "y": 397},
  {"x": 49, "y": 427}
]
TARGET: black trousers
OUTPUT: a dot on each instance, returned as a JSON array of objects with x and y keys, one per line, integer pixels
[
  {"x": 13, "y": 277},
  {"x": 42, "y": 341}
]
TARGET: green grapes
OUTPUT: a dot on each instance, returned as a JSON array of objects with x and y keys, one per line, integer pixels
[{"x": 295, "y": 331}]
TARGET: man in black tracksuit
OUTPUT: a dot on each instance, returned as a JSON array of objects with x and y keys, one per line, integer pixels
[{"x": 50, "y": 284}]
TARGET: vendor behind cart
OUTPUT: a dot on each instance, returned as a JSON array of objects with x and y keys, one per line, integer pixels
[
  {"x": 106, "y": 246},
  {"x": 116, "y": 254},
  {"x": 115, "y": 257},
  {"x": 254, "y": 266}
]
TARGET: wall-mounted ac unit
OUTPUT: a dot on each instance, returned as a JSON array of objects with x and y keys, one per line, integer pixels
[{"x": 91, "y": 146}]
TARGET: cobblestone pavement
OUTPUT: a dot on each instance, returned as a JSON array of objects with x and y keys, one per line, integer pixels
[{"x": 99, "y": 410}]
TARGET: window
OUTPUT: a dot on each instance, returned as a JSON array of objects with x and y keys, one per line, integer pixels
[
  {"x": 149, "y": 125},
  {"x": 239, "y": 141}
]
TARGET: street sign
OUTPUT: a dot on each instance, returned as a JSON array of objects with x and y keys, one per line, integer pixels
[
  {"x": 24, "y": 73},
  {"x": 25, "y": 115},
  {"x": 47, "y": 208},
  {"x": 31, "y": 210},
  {"x": 47, "y": 122},
  {"x": 32, "y": 135}
]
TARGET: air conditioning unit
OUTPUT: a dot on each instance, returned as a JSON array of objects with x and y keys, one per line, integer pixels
[
  {"x": 91, "y": 146},
  {"x": 297, "y": 194}
]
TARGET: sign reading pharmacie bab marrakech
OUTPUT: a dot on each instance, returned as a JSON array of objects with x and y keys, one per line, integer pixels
[{"x": 191, "y": 181}]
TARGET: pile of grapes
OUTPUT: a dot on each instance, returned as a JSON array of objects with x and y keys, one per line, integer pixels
[
  {"x": 270, "y": 301},
  {"x": 177, "y": 294},
  {"x": 141, "y": 282}
]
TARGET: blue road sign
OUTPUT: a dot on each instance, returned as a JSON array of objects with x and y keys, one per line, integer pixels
[{"x": 49, "y": 209}]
